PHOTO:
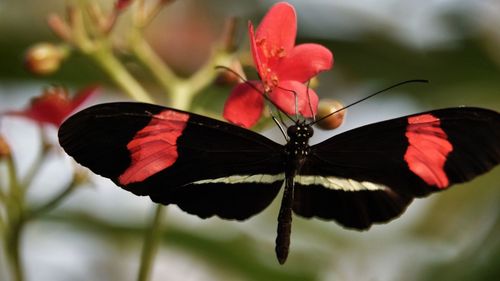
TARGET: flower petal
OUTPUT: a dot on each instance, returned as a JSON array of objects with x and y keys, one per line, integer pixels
[
  {"x": 244, "y": 105},
  {"x": 83, "y": 95},
  {"x": 122, "y": 4},
  {"x": 290, "y": 95},
  {"x": 278, "y": 28},
  {"x": 258, "y": 57},
  {"x": 54, "y": 105},
  {"x": 304, "y": 62}
]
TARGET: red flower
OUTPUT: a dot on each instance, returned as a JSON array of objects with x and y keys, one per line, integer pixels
[
  {"x": 282, "y": 67},
  {"x": 54, "y": 105},
  {"x": 122, "y": 4}
]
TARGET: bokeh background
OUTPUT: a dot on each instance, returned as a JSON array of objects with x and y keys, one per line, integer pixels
[{"x": 97, "y": 233}]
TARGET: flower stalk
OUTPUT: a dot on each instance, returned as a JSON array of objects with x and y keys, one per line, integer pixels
[
  {"x": 14, "y": 207},
  {"x": 150, "y": 246},
  {"x": 181, "y": 91},
  {"x": 17, "y": 213},
  {"x": 54, "y": 202},
  {"x": 115, "y": 69}
]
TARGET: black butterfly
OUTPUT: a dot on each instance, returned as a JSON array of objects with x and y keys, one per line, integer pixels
[{"x": 208, "y": 167}]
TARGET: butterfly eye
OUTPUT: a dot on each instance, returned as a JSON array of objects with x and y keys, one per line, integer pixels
[{"x": 292, "y": 130}]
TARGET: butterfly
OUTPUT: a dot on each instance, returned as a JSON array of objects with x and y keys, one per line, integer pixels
[{"x": 211, "y": 168}]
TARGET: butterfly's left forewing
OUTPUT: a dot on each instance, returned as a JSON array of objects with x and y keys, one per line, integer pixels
[
  {"x": 370, "y": 174},
  {"x": 205, "y": 166}
]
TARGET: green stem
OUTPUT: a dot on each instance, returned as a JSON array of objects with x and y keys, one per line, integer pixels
[
  {"x": 54, "y": 202},
  {"x": 185, "y": 90},
  {"x": 183, "y": 95},
  {"x": 3, "y": 197},
  {"x": 3, "y": 226},
  {"x": 12, "y": 246},
  {"x": 33, "y": 170},
  {"x": 207, "y": 73},
  {"x": 143, "y": 51},
  {"x": 152, "y": 239},
  {"x": 99, "y": 48},
  {"x": 37, "y": 164},
  {"x": 15, "y": 218},
  {"x": 115, "y": 69},
  {"x": 180, "y": 91}
]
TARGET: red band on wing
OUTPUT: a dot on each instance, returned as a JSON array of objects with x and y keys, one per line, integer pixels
[
  {"x": 154, "y": 148},
  {"x": 428, "y": 149}
]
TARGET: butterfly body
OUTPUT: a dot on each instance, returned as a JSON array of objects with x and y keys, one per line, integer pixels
[
  {"x": 207, "y": 167},
  {"x": 296, "y": 151}
]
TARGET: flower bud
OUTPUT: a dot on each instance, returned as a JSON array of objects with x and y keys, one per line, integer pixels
[
  {"x": 327, "y": 106},
  {"x": 44, "y": 58},
  {"x": 4, "y": 148}
]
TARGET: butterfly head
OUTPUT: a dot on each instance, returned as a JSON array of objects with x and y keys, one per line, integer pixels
[
  {"x": 297, "y": 147},
  {"x": 300, "y": 131}
]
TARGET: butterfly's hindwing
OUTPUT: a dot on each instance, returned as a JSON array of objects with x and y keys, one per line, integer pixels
[
  {"x": 228, "y": 201},
  {"x": 352, "y": 209}
]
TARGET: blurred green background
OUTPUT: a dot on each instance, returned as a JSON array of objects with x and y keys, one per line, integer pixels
[{"x": 455, "y": 235}]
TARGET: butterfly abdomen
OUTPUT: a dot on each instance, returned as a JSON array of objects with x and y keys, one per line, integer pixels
[{"x": 296, "y": 152}]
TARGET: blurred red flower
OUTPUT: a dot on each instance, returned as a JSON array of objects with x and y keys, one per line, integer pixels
[
  {"x": 54, "y": 105},
  {"x": 283, "y": 69},
  {"x": 122, "y": 4}
]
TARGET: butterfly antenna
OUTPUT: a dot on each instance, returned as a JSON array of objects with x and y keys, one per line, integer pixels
[
  {"x": 279, "y": 116},
  {"x": 279, "y": 122},
  {"x": 309, "y": 101},
  {"x": 232, "y": 71},
  {"x": 296, "y": 102},
  {"x": 370, "y": 96},
  {"x": 253, "y": 86},
  {"x": 282, "y": 129}
]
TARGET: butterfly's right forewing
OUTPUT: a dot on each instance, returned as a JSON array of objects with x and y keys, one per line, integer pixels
[{"x": 370, "y": 174}]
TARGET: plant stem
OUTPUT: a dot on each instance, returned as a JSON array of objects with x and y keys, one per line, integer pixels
[
  {"x": 98, "y": 46},
  {"x": 150, "y": 246},
  {"x": 185, "y": 90},
  {"x": 12, "y": 245},
  {"x": 114, "y": 68},
  {"x": 54, "y": 202},
  {"x": 15, "y": 218},
  {"x": 39, "y": 160},
  {"x": 180, "y": 91},
  {"x": 3, "y": 197},
  {"x": 143, "y": 51}
]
